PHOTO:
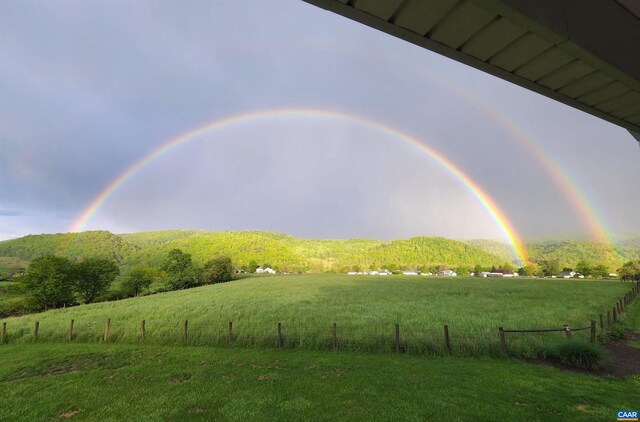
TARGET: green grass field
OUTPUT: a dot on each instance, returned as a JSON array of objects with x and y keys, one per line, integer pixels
[
  {"x": 365, "y": 310},
  {"x": 11, "y": 297},
  {"x": 170, "y": 383}
]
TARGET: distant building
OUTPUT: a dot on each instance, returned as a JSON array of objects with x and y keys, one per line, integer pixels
[
  {"x": 566, "y": 274},
  {"x": 267, "y": 270},
  {"x": 448, "y": 273},
  {"x": 409, "y": 272}
]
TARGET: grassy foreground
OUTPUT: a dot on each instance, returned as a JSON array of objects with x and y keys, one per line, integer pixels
[
  {"x": 126, "y": 382},
  {"x": 364, "y": 308}
]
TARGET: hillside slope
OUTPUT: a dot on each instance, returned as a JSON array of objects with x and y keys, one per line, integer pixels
[
  {"x": 291, "y": 254},
  {"x": 102, "y": 244}
]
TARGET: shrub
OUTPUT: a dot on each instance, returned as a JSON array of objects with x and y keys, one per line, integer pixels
[
  {"x": 218, "y": 270},
  {"x": 578, "y": 354},
  {"x": 612, "y": 333}
]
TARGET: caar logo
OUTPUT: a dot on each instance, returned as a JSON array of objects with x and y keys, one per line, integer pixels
[{"x": 627, "y": 415}]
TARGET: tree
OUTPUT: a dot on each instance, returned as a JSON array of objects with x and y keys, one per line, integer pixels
[
  {"x": 531, "y": 269},
  {"x": 252, "y": 267},
  {"x": 180, "y": 271},
  {"x": 630, "y": 270},
  {"x": 463, "y": 270},
  {"x": 584, "y": 268},
  {"x": 49, "y": 282},
  {"x": 506, "y": 268},
  {"x": 140, "y": 279},
  {"x": 550, "y": 267},
  {"x": 600, "y": 271},
  {"x": 391, "y": 267},
  {"x": 218, "y": 270},
  {"x": 478, "y": 269},
  {"x": 94, "y": 276}
]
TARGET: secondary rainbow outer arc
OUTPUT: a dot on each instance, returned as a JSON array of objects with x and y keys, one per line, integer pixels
[
  {"x": 494, "y": 211},
  {"x": 575, "y": 195}
]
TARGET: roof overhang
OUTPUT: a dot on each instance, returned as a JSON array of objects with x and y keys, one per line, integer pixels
[{"x": 583, "y": 53}]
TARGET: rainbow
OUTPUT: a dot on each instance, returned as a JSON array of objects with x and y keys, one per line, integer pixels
[
  {"x": 575, "y": 196},
  {"x": 507, "y": 230}
]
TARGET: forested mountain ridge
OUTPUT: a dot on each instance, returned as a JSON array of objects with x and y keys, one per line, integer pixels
[{"x": 291, "y": 254}]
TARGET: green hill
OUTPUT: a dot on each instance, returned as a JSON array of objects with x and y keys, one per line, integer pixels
[
  {"x": 493, "y": 247},
  {"x": 424, "y": 251},
  {"x": 243, "y": 247},
  {"x": 102, "y": 244},
  {"x": 570, "y": 252},
  {"x": 291, "y": 254},
  {"x": 632, "y": 242}
]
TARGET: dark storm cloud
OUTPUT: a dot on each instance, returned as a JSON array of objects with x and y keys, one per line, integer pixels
[{"x": 88, "y": 88}]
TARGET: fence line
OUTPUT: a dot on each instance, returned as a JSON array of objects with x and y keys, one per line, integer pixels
[{"x": 618, "y": 309}]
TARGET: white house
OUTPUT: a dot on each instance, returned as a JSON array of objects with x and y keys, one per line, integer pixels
[
  {"x": 449, "y": 273},
  {"x": 267, "y": 270},
  {"x": 409, "y": 272},
  {"x": 566, "y": 274}
]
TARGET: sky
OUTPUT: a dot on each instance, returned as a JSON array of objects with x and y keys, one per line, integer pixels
[{"x": 90, "y": 88}]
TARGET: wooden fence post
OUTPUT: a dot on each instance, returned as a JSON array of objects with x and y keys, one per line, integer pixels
[
  {"x": 503, "y": 341},
  {"x": 593, "y": 331},
  {"x": 143, "y": 330},
  {"x": 280, "y": 342},
  {"x": 4, "y": 333},
  {"x": 615, "y": 316},
  {"x": 71, "y": 331},
  {"x": 107, "y": 330},
  {"x": 36, "y": 327},
  {"x": 185, "y": 336},
  {"x": 601, "y": 322},
  {"x": 334, "y": 335},
  {"x": 397, "y": 338},
  {"x": 447, "y": 345},
  {"x": 230, "y": 332},
  {"x": 608, "y": 317},
  {"x": 621, "y": 305}
]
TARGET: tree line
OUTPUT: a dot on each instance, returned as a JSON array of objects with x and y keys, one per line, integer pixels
[{"x": 53, "y": 281}]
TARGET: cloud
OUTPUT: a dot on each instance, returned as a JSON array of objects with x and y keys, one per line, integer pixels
[
  {"x": 87, "y": 89},
  {"x": 10, "y": 213}
]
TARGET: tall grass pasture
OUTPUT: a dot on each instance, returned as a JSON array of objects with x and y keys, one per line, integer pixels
[{"x": 364, "y": 308}]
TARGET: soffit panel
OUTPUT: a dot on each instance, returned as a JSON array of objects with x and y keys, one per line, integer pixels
[
  {"x": 461, "y": 24},
  {"x": 492, "y": 39},
  {"x": 563, "y": 76},
  {"x": 420, "y": 16},
  {"x": 381, "y": 9},
  {"x": 625, "y": 100},
  {"x": 520, "y": 51},
  {"x": 544, "y": 64}
]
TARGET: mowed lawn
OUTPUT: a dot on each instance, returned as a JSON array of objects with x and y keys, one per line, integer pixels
[
  {"x": 116, "y": 382},
  {"x": 365, "y": 310}
]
